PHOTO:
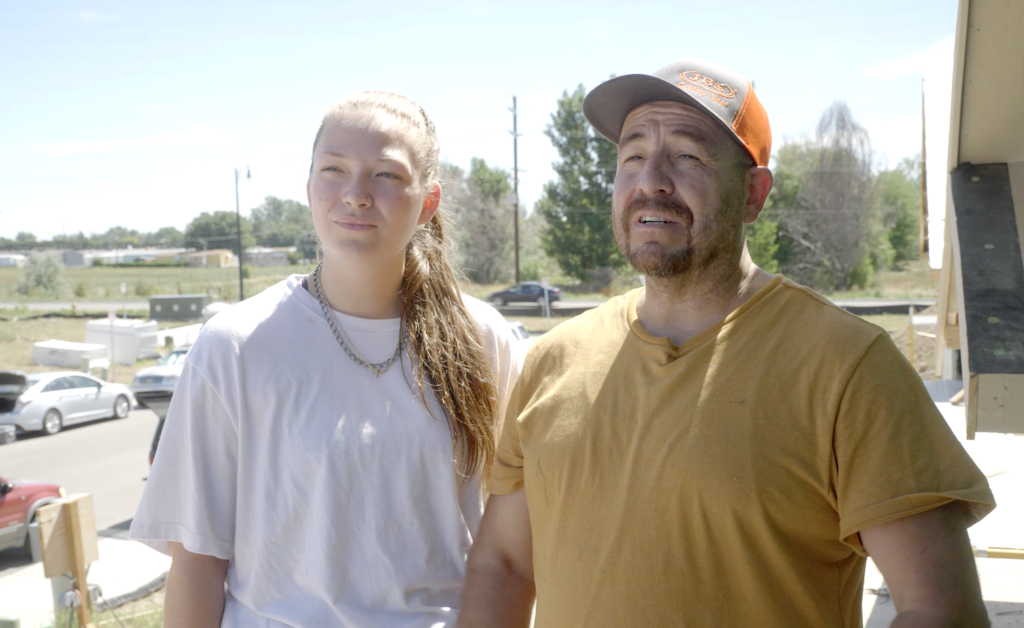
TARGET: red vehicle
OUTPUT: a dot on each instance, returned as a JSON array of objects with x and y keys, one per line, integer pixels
[{"x": 19, "y": 500}]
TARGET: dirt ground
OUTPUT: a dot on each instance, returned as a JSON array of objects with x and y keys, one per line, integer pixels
[{"x": 924, "y": 346}]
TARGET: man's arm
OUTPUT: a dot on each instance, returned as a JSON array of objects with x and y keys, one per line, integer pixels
[
  {"x": 927, "y": 562},
  {"x": 195, "y": 590},
  {"x": 499, "y": 576}
]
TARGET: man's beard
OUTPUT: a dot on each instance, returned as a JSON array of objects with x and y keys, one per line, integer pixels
[{"x": 656, "y": 261}]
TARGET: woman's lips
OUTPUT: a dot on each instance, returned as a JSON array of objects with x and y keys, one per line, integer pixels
[{"x": 354, "y": 224}]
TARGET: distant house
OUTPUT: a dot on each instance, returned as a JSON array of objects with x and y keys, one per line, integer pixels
[
  {"x": 267, "y": 256},
  {"x": 12, "y": 260},
  {"x": 217, "y": 258},
  {"x": 128, "y": 255},
  {"x": 171, "y": 256}
]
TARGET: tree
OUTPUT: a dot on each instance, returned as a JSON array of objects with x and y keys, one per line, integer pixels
[
  {"x": 483, "y": 220},
  {"x": 116, "y": 237},
  {"x": 900, "y": 203},
  {"x": 763, "y": 243},
  {"x": 167, "y": 237},
  {"x": 280, "y": 222},
  {"x": 24, "y": 237},
  {"x": 217, "y": 231},
  {"x": 44, "y": 273},
  {"x": 577, "y": 205},
  {"x": 825, "y": 202},
  {"x": 534, "y": 262}
]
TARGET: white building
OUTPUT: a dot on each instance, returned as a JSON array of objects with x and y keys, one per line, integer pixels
[{"x": 12, "y": 260}]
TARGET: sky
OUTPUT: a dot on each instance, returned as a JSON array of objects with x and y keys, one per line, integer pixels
[{"x": 137, "y": 114}]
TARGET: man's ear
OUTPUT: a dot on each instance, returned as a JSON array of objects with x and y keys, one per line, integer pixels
[
  {"x": 430, "y": 203},
  {"x": 761, "y": 181},
  {"x": 309, "y": 199}
]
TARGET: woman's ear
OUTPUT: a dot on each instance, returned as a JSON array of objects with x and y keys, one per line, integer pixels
[{"x": 430, "y": 203}]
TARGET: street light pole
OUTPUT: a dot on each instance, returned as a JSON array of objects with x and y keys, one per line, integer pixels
[
  {"x": 515, "y": 179},
  {"x": 238, "y": 226}
]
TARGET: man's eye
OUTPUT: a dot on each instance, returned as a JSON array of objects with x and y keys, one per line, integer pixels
[{"x": 388, "y": 175}]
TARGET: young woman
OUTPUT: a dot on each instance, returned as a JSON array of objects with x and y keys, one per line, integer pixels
[{"x": 324, "y": 450}]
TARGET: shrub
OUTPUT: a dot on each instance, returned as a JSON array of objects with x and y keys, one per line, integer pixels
[{"x": 44, "y": 273}]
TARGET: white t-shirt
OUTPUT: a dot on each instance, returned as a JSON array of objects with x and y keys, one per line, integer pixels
[{"x": 331, "y": 492}]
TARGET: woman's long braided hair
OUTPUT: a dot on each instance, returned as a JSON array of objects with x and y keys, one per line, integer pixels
[{"x": 444, "y": 343}]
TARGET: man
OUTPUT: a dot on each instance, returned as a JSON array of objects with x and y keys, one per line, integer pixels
[{"x": 722, "y": 447}]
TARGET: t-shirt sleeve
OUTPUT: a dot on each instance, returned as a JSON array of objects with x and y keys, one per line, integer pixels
[
  {"x": 507, "y": 474},
  {"x": 895, "y": 455},
  {"x": 190, "y": 493}
]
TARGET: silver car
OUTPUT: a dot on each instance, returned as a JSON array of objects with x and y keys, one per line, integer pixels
[
  {"x": 154, "y": 386},
  {"x": 47, "y": 402}
]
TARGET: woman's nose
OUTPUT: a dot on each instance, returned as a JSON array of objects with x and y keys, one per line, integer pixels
[{"x": 357, "y": 193}]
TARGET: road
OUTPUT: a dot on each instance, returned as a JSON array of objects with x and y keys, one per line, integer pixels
[{"x": 109, "y": 459}]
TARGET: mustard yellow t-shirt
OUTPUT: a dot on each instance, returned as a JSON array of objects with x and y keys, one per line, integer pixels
[{"x": 721, "y": 483}]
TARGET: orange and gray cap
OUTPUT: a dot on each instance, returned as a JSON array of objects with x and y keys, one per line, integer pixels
[{"x": 724, "y": 95}]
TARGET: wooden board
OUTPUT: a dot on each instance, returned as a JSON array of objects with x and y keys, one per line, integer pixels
[{"x": 55, "y": 535}]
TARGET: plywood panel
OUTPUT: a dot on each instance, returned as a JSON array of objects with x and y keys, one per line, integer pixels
[
  {"x": 991, "y": 115},
  {"x": 1000, "y": 403}
]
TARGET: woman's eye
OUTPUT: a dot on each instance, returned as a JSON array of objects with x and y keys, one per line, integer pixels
[
  {"x": 330, "y": 169},
  {"x": 388, "y": 175}
]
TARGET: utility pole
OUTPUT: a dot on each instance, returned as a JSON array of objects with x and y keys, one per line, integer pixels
[
  {"x": 238, "y": 225},
  {"x": 515, "y": 179},
  {"x": 923, "y": 234}
]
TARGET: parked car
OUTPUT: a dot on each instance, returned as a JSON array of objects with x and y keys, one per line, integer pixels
[
  {"x": 154, "y": 386},
  {"x": 519, "y": 331},
  {"x": 525, "y": 292},
  {"x": 47, "y": 402},
  {"x": 19, "y": 500}
]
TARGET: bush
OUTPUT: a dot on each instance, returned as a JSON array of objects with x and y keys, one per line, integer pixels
[
  {"x": 44, "y": 273},
  {"x": 143, "y": 289},
  {"x": 80, "y": 289},
  {"x": 98, "y": 262},
  {"x": 246, "y": 271},
  {"x": 294, "y": 257}
]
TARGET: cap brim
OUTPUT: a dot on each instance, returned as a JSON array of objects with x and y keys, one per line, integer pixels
[{"x": 608, "y": 104}]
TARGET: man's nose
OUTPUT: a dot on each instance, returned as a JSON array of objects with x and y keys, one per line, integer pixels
[{"x": 654, "y": 178}]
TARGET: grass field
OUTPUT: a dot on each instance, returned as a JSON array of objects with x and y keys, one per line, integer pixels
[
  {"x": 19, "y": 328},
  {"x": 18, "y": 332},
  {"x": 915, "y": 280},
  {"x": 104, "y": 283}
]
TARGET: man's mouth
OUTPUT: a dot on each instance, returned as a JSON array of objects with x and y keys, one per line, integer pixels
[{"x": 654, "y": 220}]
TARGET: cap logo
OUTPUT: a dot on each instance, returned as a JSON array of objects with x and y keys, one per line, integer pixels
[{"x": 704, "y": 86}]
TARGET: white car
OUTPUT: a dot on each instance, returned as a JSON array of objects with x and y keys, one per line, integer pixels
[
  {"x": 519, "y": 331},
  {"x": 47, "y": 402},
  {"x": 154, "y": 386}
]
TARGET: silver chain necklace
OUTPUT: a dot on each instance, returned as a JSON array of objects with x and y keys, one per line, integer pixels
[{"x": 377, "y": 369}]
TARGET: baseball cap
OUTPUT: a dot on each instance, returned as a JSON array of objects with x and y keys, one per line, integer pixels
[{"x": 724, "y": 95}]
